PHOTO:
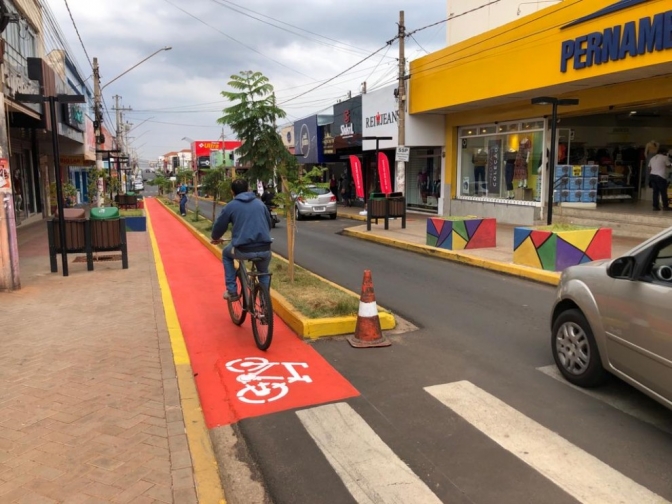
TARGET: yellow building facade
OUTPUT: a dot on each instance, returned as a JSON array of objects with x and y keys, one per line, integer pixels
[{"x": 614, "y": 57}]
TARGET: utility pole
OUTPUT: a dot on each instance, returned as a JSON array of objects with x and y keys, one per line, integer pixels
[
  {"x": 401, "y": 121},
  {"x": 98, "y": 126},
  {"x": 121, "y": 145}
]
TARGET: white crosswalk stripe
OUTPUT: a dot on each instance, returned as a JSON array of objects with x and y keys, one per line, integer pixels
[
  {"x": 578, "y": 473},
  {"x": 370, "y": 470},
  {"x": 632, "y": 402}
]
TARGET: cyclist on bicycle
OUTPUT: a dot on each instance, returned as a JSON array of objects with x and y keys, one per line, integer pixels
[{"x": 250, "y": 237}]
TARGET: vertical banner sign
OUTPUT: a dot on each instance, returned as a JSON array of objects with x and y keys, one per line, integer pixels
[
  {"x": 356, "y": 166},
  {"x": 5, "y": 179},
  {"x": 384, "y": 173},
  {"x": 494, "y": 166}
]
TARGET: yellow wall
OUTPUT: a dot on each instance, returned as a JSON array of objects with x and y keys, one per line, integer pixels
[{"x": 522, "y": 56}]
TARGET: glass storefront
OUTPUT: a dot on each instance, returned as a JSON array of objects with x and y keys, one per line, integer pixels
[
  {"x": 502, "y": 161},
  {"x": 423, "y": 179}
]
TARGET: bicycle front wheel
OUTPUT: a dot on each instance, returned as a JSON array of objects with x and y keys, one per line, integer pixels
[
  {"x": 237, "y": 308},
  {"x": 262, "y": 317}
]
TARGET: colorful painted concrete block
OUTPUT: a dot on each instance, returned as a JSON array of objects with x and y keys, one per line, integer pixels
[
  {"x": 136, "y": 223},
  {"x": 461, "y": 233},
  {"x": 557, "y": 250}
]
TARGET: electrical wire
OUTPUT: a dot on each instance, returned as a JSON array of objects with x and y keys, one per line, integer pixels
[
  {"x": 78, "y": 35},
  {"x": 338, "y": 75},
  {"x": 450, "y": 18},
  {"x": 236, "y": 40},
  {"x": 423, "y": 69},
  {"x": 225, "y": 4},
  {"x": 420, "y": 46}
]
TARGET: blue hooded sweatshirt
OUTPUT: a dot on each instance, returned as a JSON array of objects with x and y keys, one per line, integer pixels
[{"x": 251, "y": 223}]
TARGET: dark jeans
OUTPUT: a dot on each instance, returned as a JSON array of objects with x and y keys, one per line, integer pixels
[
  {"x": 479, "y": 179},
  {"x": 230, "y": 269},
  {"x": 183, "y": 204},
  {"x": 659, "y": 185}
]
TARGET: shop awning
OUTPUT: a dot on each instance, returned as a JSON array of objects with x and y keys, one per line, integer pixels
[{"x": 17, "y": 107}]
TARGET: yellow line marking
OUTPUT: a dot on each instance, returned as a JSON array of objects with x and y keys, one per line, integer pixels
[
  {"x": 206, "y": 473},
  {"x": 541, "y": 276}
]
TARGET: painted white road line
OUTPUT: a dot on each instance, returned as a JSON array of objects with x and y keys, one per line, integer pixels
[
  {"x": 578, "y": 473},
  {"x": 370, "y": 470},
  {"x": 631, "y": 402}
]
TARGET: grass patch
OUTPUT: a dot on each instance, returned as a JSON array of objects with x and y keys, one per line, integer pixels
[
  {"x": 203, "y": 225},
  {"x": 558, "y": 228},
  {"x": 131, "y": 212},
  {"x": 312, "y": 297}
]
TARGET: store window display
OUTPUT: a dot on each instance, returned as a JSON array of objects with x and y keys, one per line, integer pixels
[
  {"x": 423, "y": 171},
  {"x": 508, "y": 156}
]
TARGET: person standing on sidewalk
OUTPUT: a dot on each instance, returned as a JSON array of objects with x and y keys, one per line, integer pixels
[
  {"x": 250, "y": 236},
  {"x": 658, "y": 166},
  {"x": 182, "y": 194}
]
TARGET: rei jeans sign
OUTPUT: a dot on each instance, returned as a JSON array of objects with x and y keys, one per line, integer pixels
[{"x": 634, "y": 38}]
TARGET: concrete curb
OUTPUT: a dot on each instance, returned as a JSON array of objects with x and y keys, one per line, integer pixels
[
  {"x": 206, "y": 472},
  {"x": 305, "y": 327},
  {"x": 540, "y": 276}
]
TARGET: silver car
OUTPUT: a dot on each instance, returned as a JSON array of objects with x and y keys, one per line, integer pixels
[
  {"x": 615, "y": 316},
  {"x": 320, "y": 202}
]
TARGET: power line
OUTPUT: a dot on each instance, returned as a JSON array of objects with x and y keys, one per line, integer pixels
[
  {"x": 78, "y": 35},
  {"x": 223, "y": 3},
  {"x": 453, "y": 17},
  {"x": 236, "y": 40},
  {"x": 420, "y": 46},
  {"x": 338, "y": 75}
]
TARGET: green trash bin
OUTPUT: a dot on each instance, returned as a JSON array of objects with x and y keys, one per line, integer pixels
[{"x": 104, "y": 213}]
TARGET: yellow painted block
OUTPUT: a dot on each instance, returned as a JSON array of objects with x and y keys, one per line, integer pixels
[
  {"x": 526, "y": 255},
  {"x": 580, "y": 239},
  {"x": 459, "y": 243}
]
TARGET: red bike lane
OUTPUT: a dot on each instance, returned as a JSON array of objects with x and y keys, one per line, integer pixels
[{"x": 235, "y": 380}]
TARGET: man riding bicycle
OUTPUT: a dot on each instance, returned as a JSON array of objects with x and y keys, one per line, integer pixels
[{"x": 250, "y": 237}]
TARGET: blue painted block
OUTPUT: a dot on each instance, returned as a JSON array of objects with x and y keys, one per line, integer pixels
[{"x": 137, "y": 224}]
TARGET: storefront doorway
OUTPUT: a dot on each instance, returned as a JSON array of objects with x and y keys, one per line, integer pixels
[{"x": 617, "y": 143}]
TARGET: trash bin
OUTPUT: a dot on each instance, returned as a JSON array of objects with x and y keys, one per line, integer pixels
[
  {"x": 376, "y": 208},
  {"x": 76, "y": 234},
  {"x": 108, "y": 232}
]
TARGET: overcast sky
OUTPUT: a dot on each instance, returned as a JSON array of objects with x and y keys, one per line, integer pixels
[{"x": 178, "y": 91}]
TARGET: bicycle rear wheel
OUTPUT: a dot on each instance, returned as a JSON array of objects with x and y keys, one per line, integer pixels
[
  {"x": 262, "y": 317},
  {"x": 237, "y": 308}
]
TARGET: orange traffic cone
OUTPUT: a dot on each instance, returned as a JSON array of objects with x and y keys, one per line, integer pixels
[{"x": 368, "y": 333}]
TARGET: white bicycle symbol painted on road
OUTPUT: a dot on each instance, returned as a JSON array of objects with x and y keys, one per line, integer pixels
[{"x": 265, "y": 388}]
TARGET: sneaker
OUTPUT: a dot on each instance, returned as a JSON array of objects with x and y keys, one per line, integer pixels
[
  {"x": 656, "y": 209},
  {"x": 231, "y": 296}
]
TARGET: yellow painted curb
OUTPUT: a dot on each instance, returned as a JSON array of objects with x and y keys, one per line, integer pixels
[
  {"x": 206, "y": 474},
  {"x": 300, "y": 324},
  {"x": 541, "y": 276}
]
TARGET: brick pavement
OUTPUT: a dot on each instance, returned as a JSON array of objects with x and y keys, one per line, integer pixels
[{"x": 89, "y": 402}]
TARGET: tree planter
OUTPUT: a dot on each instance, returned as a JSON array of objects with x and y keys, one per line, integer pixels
[
  {"x": 460, "y": 233},
  {"x": 556, "y": 249}
]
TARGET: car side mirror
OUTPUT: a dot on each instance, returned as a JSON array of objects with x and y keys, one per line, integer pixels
[{"x": 622, "y": 268}]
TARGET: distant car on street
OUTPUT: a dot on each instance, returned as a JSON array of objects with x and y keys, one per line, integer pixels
[
  {"x": 138, "y": 185},
  {"x": 615, "y": 316},
  {"x": 322, "y": 202}
]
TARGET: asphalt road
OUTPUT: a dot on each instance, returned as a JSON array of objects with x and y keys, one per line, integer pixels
[{"x": 510, "y": 434}]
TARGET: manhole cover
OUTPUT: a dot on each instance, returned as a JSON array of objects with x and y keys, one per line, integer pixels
[{"x": 106, "y": 258}]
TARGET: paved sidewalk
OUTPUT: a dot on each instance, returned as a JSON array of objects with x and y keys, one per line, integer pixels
[
  {"x": 414, "y": 236},
  {"x": 89, "y": 401}
]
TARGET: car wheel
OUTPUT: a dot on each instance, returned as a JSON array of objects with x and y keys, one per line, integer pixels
[
  {"x": 297, "y": 214},
  {"x": 332, "y": 216},
  {"x": 575, "y": 351}
]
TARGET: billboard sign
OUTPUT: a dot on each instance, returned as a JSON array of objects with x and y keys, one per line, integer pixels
[{"x": 307, "y": 144}]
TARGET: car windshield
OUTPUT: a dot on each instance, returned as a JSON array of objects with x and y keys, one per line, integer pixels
[{"x": 318, "y": 190}]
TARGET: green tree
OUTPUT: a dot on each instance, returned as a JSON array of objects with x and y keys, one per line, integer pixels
[
  {"x": 253, "y": 117},
  {"x": 218, "y": 186},
  {"x": 162, "y": 182}
]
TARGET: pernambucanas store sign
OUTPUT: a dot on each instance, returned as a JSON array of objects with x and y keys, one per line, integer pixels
[{"x": 634, "y": 38}]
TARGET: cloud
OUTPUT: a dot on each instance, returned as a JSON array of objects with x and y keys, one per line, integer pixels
[{"x": 178, "y": 91}]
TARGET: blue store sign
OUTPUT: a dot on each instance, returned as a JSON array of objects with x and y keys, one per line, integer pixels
[
  {"x": 634, "y": 38},
  {"x": 307, "y": 141}
]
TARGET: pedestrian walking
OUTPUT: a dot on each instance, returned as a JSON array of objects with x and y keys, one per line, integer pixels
[
  {"x": 658, "y": 166},
  {"x": 182, "y": 194}
]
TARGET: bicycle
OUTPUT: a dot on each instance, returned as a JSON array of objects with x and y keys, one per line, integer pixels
[{"x": 253, "y": 298}]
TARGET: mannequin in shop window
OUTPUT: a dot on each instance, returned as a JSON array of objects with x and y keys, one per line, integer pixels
[
  {"x": 509, "y": 171},
  {"x": 422, "y": 181},
  {"x": 520, "y": 172},
  {"x": 479, "y": 160}
]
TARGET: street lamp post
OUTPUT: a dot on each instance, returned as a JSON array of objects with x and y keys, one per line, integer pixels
[
  {"x": 555, "y": 102},
  {"x": 194, "y": 168},
  {"x": 98, "y": 98}
]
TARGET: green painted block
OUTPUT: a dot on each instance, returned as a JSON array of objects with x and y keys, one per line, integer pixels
[
  {"x": 432, "y": 240},
  {"x": 547, "y": 253},
  {"x": 460, "y": 228}
]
